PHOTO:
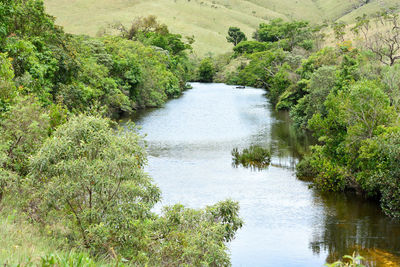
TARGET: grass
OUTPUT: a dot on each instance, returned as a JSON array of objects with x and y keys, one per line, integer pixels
[
  {"x": 23, "y": 244},
  {"x": 207, "y": 20},
  {"x": 255, "y": 157},
  {"x": 20, "y": 242}
]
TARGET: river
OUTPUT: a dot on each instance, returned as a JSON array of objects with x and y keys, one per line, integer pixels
[{"x": 286, "y": 223}]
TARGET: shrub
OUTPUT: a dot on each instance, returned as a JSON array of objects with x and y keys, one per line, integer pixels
[
  {"x": 94, "y": 178},
  {"x": 304, "y": 168},
  {"x": 206, "y": 70},
  {"x": 22, "y": 131},
  {"x": 89, "y": 178}
]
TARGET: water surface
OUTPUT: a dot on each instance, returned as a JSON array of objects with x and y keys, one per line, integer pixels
[{"x": 286, "y": 224}]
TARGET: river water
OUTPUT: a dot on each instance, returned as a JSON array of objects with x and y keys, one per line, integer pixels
[{"x": 286, "y": 224}]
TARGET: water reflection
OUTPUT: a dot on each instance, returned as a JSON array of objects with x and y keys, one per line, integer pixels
[
  {"x": 354, "y": 224},
  {"x": 287, "y": 224}
]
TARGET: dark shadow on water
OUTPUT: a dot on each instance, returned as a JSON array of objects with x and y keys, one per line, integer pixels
[{"x": 351, "y": 223}]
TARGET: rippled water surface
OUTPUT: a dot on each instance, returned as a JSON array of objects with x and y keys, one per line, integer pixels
[{"x": 287, "y": 224}]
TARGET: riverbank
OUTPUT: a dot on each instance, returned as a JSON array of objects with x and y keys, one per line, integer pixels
[{"x": 346, "y": 95}]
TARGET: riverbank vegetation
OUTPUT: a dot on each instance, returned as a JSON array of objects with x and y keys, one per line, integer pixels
[
  {"x": 346, "y": 95},
  {"x": 70, "y": 179}
]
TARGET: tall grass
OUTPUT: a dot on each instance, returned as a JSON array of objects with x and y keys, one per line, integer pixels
[{"x": 24, "y": 244}]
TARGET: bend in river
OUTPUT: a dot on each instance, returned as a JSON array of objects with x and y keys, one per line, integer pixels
[{"x": 286, "y": 224}]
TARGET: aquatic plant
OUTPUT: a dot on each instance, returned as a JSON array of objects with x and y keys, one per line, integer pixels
[
  {"x": 254, "y": 156},
  {"x": 351, "y": 261}
]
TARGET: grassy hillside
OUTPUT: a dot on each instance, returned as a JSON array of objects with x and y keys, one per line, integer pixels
[{"x": 207, "y": 20}]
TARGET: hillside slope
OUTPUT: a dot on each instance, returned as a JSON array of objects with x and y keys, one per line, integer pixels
[{"x": 207, "y": 20}]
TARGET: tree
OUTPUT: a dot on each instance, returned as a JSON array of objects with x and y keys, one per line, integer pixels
[
  {"x": 286, "y": 35},
  {"x": 379, "y": 172},
  {"x": 89, "y": 178},
  {"x": 339, "y": 30},
  {"x": 93, "y": 175},
  {"x": 384, "y": 42},
  {"x": 235, "y": 36},
  {"x": 7, "y": 86},
  {"x": 206, "y": 70},
  {"x": 22, "y": 130},
  {"x": 250, "y": 47},
  {"x": 367, "y": 108}
]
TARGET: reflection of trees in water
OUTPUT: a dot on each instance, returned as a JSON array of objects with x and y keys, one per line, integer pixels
[
  {"x": 353, "y": 224},
  {"x": 289, "y": 145},
  {"x": 286, "y": 143}
]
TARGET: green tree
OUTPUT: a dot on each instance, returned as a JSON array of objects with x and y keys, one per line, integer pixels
[
  {"x": 235, "y": 36},
  {"x": 22, "y": 131},
  {"x": 7, "y": 86},
  {"x": 206, "y": 70},
  {"x": 286, "y": 34},
  {"x": 90, "y": 178},
  {"x": 339, "y": 29},
  {"x": 94, "y": 175}
]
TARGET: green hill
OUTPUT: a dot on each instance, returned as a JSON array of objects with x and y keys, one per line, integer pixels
[{"x": 207, "y": 20}]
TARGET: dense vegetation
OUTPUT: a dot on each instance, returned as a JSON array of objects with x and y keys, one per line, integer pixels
[
  {"x": 68, "y": 171},
  {"x": 347, "y": 96}
]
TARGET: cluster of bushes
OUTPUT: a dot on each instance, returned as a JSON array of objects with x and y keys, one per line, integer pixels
[
  {"x": 79, "y": 178},
  {"x": 142, "y": 67},
  {"x": 85, "y": 183},
  {"x": 347, "y": 95}
]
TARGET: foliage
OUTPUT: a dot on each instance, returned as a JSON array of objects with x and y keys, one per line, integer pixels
[
  {"x": 149, "y": 31},
  {"x": 322, "y": 81},
  {"x": 288, "y": 35},
  {"x": 384, "y": 42},
  {"x": 91, "y": 174},
  {"x": 250, "y": 47},
  {"x": 7, "y": 86},
  {"x": 350, "y": 261},
  {"x": 305, "y": 170},
  {"x": 339, "y": 30},
  {"x": 23, "y": 129},
  {"x": 235, "y": 36},
  {"x": 267, "y": 69},
  {"x": 73, "y": 259},
  {"x": 91, "y": 179},
  {"x": 196, "y": 237},
  {"x": 206, "y": 70},
  {"x": 83, "y": 73},
  {"x": 254, "y": 156},
  {"x": 379, "y": 174}
]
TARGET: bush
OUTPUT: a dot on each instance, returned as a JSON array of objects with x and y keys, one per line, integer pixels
[
  {"x": 89, "y": 178},
  {"x": 206, "y": 70},
  {"x": 304, "y": 168},
  {"x": 250, "y": 47},
  {"x": 93, "y": 176},
  {"x": 22, "y": 131}
]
